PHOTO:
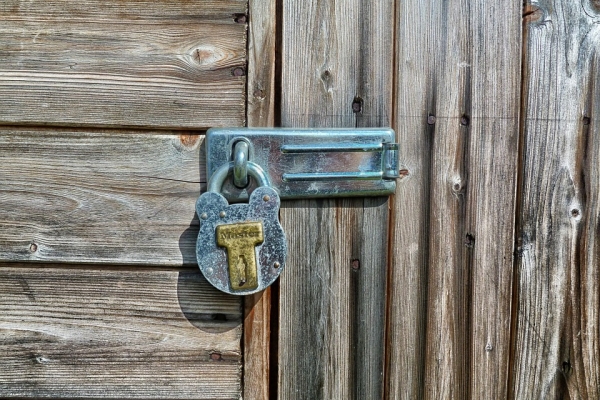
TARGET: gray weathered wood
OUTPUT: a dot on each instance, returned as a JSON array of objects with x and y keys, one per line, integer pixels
[
  {"x": 332, "y": 294},
  {"x": 122, "y": 63},
  {"x": 261, "y": 63},
  {"x": 457, "y": 97},
  {"x": 260, "y": 113},
  {"x": 116, "y": 333},
  {"x": 177, "y": 11},
  {"x": 557, "y": 351},
  {"x": 99, "y": 197}
]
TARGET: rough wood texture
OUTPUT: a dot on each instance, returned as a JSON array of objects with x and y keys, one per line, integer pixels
[
  {"x": 558, "y": 340},
  {"x": 122, "y": 63},
  {"x": 261, "y": 63},
  {"x": 260, "y": 113},
  {"x": 99, "y": 197},
  {"x": 257, "y": 337},
  {"x": 116, "y": 333},
  {"x": 457, "y": 97},
  {"x": 332, "y": 295}
]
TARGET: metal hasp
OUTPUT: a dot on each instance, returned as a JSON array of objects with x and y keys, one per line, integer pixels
[{"x": 307, "y": 163}]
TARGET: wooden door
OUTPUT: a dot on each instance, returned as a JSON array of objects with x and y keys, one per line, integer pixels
[{"x": 477, "y": 279}]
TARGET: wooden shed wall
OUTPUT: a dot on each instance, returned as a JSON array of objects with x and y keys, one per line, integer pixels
[
  {"x": 492, "y": 264},
  {"x": 478, "y": 279}
]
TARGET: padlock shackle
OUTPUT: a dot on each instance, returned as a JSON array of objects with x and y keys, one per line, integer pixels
[{"x": 218, "y": 177}]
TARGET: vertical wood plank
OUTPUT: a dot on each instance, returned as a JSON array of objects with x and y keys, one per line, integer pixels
[
  {"x": 456, "y": 114},
  {"x": 260, "y": 113},
  {"x": 336, "y": 69},
  {"x": 375, "y": 72},
  {"x": 261, "y": 63},
  {"x": 558, "y": 341},
  {"x": 491, "y": 184},
  {"x": 257, "y": 336}
]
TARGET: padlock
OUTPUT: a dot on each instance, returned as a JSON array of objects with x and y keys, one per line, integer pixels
[{"x": 241, "y": 248}]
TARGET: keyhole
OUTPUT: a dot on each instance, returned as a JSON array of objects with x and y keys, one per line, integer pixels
[{"x": 242, "y": 265}]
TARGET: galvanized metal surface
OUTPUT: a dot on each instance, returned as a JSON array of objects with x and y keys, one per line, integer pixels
[
  {"x": 240, "y": 164},
  {"x": 219, "y": 177},
  {"x": 309, "y": 163}
]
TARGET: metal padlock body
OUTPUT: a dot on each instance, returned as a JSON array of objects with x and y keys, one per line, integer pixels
[{"x": 270, "y": 254}]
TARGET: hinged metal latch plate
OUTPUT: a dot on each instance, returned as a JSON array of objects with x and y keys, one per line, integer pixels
[{"x": 308, "y": 163}]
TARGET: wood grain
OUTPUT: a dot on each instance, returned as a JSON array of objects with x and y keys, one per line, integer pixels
[
  {"x": 332, "y": 294},
  {"x": 177, "y": 11},
  {"x": 557, "y": 350},
  {"x": 122, "y": 63},
  {"x": 68, "y": 195},
  {"x": 116, "y": 333},
  {"x": 260, "y": 113},
  {"x": 257, "y": 345},
  {"x": 261, "y": 63},
  {"x": 456, "y": 115}
]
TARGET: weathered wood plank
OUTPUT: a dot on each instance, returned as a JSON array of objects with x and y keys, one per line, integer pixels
[
  {"x": 336, "y": 69},
  {"x": 99, "y": 197},
  {"x": 558, "y": 335},
  {"x": 177, "y": 11},
  {"x": 492, "y": 186},
  {"x": 407, "y": 309},
  {"x": 261, "y": 63},
  {"x": 257, "y": 345},
  {"x": 122, "y": 63},
  {"x": 260, "y": 113},
  {"x": 457, "y": 120},
  {"x": 116, "y": 333}
]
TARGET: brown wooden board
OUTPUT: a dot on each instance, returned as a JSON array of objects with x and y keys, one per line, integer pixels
[
  {"x": 557, "y": 347},
  {"x": 177, "y": 64},
  {"x": 121, "y": 197},
  {"x": 260, "y": 113},
  {"x": 115, "y": 333},
  {"x": 75, "y": 193},
  {"x": 261, "y": 63},
  {"x": 457, "y": 120},
  {"x": 336, "y": 72}
]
